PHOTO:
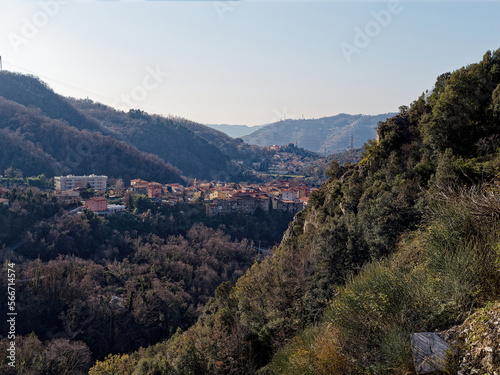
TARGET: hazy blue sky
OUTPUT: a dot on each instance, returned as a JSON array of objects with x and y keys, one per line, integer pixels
[{"x": 247, "y": 62}]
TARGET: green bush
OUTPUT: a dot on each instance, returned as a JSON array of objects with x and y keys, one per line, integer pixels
[{"x": 454, "y": 268}]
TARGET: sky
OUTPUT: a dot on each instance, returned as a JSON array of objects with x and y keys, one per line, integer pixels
[{"x": 245, "y": 62}]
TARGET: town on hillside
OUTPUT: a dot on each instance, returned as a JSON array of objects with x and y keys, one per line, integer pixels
[{"x": 218, "y": 197}]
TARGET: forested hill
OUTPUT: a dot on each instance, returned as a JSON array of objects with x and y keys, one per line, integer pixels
[
  {"x": 37, "y": 144},
  {"x": 416, "y": 221},
  {"x": 31, "y": 92},
  {"x": 234, "y": 147},
  {"x": 332, "y": 134},
  {"x": 176, "y": 141}
]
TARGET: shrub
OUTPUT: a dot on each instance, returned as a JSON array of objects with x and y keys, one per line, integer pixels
[{"x": 314, "y": 352}]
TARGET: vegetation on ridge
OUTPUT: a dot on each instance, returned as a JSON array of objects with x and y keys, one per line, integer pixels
[{"x": 369, "y": 212}]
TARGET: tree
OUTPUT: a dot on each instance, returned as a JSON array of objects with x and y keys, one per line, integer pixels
[
  {"x": 495, "y": 102},
  {"x": 334, "y": 169},
  {"x": 119, "y": 185},
  {"x": 12, "y": 172}
]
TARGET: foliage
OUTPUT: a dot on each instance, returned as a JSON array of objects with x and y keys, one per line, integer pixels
[
  {"x": 56, "y": 356},
  {"x": 193, "y": 148},
  {"x": 43, "y": 132},
  {"x": 25, "y": 210},
  {"x": 37, "y": 144},
  {"x": 114, "y": 365},
  {"x": 315, "y": 351},
  {"x": 358, "y": 217},
  {"x": 116, "y": 306}
]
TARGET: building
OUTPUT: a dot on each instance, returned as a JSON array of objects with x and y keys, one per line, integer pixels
[
  {"x": 198, "y": 194},
  {"x": 98, "y": 183},
  {"x": 290, "y": 206},
  {"x": 138, "y": 181},
  {"x": 176, "y": 188},
  {"x": 155, "y": 190},
  {"x": 113, "y": 209},
  {"x": 96, "y": 204},
  {"x": 245, "y": 204},
  {"x": 220, "y": 194},
  {"x": 265, "y": 202},
  {"x": 304, "y": 200},
  {"x": 289, "y": 195},
  {"x": 68, "y": 194},
  {"x": 100, "y": 206},
  {"x": 212, "y": 209}
]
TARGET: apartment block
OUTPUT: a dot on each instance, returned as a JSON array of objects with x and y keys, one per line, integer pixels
[{"x": 74, "y": 182}]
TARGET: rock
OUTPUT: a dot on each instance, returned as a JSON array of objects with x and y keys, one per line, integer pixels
[{"x": 429, "y": 352}]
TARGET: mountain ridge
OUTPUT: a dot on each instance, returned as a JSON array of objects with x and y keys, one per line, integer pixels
[{"x": 332, "y": 133}]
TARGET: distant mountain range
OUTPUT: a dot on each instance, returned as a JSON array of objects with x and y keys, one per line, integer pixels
[
  {"x": 332, "y": 134},
  {"x": 236, "y": 131}
]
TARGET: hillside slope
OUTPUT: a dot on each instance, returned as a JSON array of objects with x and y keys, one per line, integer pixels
[
  {"x": 330, "y": 133},
  {"x": 37, "y": 144},
  {"x": 169, "y": 138},
  {"x": 234, "y": 148},
  {"x": 367, "y": 220},
  {"x": 32, "y": 92},
  {"x": 173, "y": 140}
]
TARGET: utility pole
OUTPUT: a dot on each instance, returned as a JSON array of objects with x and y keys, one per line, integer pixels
[
  {"x": 352, "y": 142},
  {"x": 1, "y": 63}
]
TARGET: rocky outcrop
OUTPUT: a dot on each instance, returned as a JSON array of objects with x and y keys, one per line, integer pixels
[{"x": 477, "y": 342}]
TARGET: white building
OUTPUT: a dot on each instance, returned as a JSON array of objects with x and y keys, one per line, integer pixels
[
  {"x": 289, "y": 195},
  {"x": 74, "y": 182},
  {"x": 114, "y": 209}
]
